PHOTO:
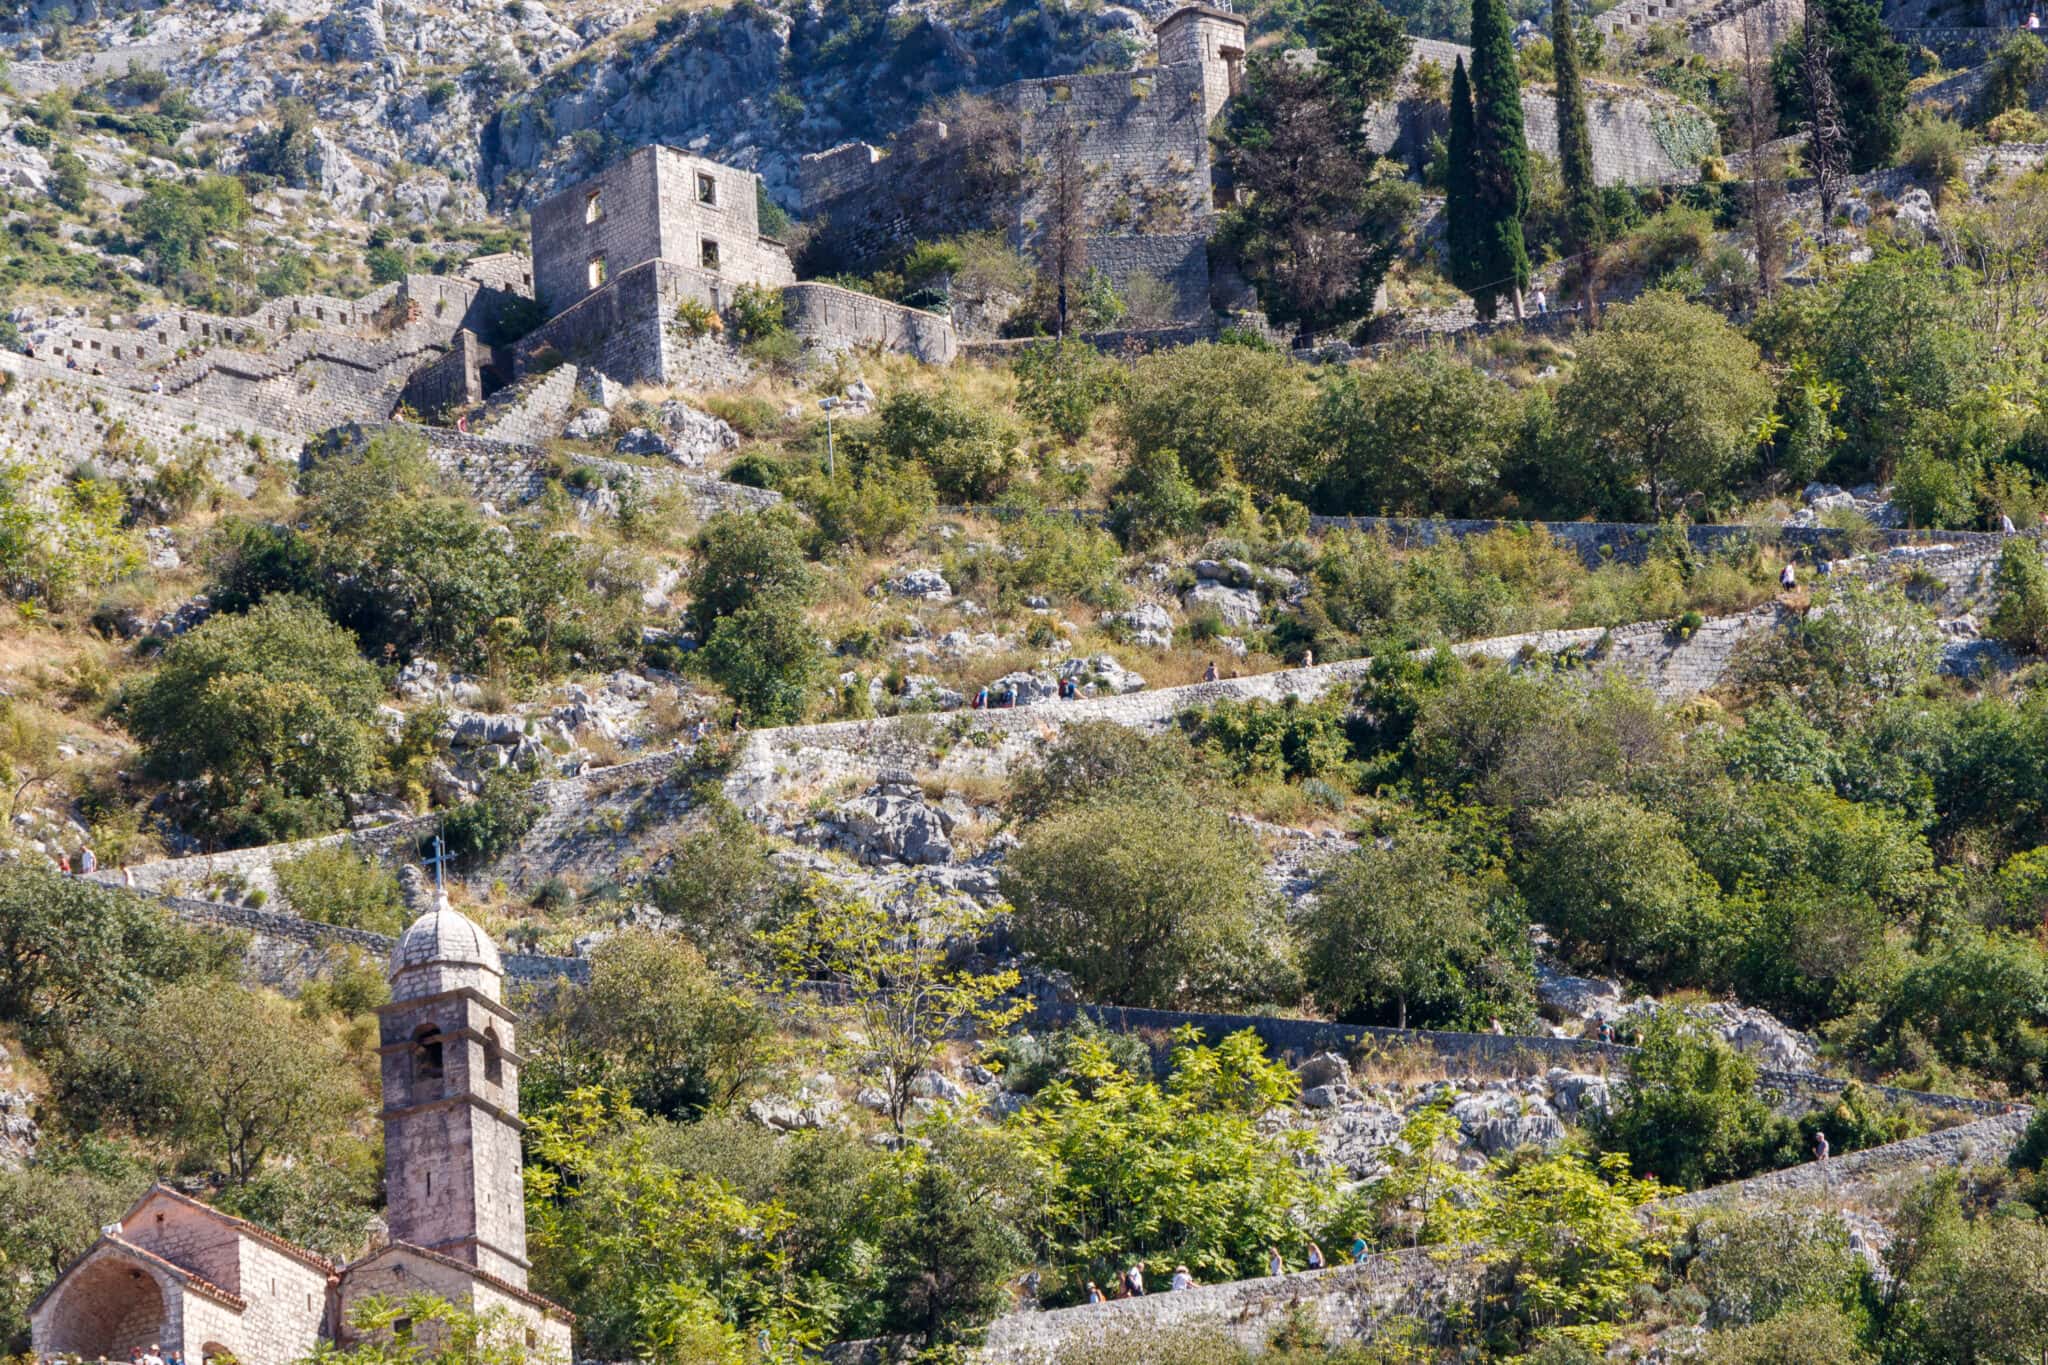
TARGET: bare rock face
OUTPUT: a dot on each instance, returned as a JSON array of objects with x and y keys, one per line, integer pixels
[
  {"x": 892, "y": 822},
  {"x": 693, "y": 437},
  {"x": 354, "y": 32}
]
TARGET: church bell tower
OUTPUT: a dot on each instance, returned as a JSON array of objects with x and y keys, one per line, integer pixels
[{"x": 451, "y": 1094}]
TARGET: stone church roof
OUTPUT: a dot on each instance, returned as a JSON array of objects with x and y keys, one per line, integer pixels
[{"x": 445, "y": 937}]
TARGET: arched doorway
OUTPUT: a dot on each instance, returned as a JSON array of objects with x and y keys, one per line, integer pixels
[{"x": 105, "y": 1311}]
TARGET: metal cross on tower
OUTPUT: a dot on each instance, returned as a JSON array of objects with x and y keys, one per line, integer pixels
[{"x": 436, "y": 862}]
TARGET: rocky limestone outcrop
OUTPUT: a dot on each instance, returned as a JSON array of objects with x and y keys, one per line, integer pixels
[{"x": 892, "y": 822}]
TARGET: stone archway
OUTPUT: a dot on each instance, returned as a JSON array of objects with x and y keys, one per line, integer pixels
[{"x": 105, "y": 1311}]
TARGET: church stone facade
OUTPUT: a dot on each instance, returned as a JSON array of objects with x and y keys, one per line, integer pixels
[{"x": 178, "y": 1274}]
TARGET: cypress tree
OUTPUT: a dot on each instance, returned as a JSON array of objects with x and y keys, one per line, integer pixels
[
  {"x": 1500, "y": 161},
  {"x": 1461, "y": 201},
  {"x": 1582, "y": 226},
  {"x": 1364, "y": 47},
  {"x": 1870, "y": 71}
]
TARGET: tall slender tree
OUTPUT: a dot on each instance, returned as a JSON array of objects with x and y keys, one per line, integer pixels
[
  {"x": 1827, "y": 147},
  {"x": 1461, "y": 187},
  {"x": 1755, "y": 125},
  {"x": 1500, "y": 162},
  {"x": 1364, "y": 49},
  {"x": 1583, "y": 229},
  {"x": 1063, "y": 252}
]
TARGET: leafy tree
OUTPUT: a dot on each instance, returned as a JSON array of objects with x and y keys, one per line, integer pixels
[
  {"x": 329, "y": 1205},
  {"x": 1365, "y": 50},
  {"x": 228, "y": 1073},
  {"x": 2015, "y": 67},
  {"x": 1895, "y": 340},
  {"x": 1404, "y": 923},
  {"x": 2021, "y": 584},
  {"x": 1062, "y": 385},
  {"x": 895, "y": 992},
  {"x": 1668, "y": 395},
  {"x": 1755, "y": 1264},
  {"x": 284, "y": 151},
  {"x": 659, "y": 1262},
  {"x": 1690, "y": 1111},
  {"x": 1578, "y": 1245},
  {"x": 1148, "y": 903},
  {"x": 1615, "y": 883},
  {"x": 1870, "y": 642},
  {"x": 970, "y": 450},
  {"x": 174, "y": 224},
  {"x": 1976, "y": 1291},
  {"x": 268, "y": 711},
  {"x": 69, "y": 185},
  {"x": 743, "y": 559},
  {"x": 1098, "y": 761},
  {"x": 1316, "y": 229},
  {"x": 70, "y": 946},
  {"x": 653, "y": 1024},
  {"x": 493, "y": 820},
  {"x": 949, "y": 1252},
  {"x": 1183, "y": 1173},
  {"x": 717, "y": 883},
  {"x": 1461, "y": 186},
  {"x": 766, "y": 656},
  {"x": 1500, "y": 162},
  {"x": 1422, "y": 433},
  {"x": 337, "y": 885},
  {"x": 1228, "y": 412},
  {"x": 1820, "y": 1335},
  {"x": 1581, "y": 218}
]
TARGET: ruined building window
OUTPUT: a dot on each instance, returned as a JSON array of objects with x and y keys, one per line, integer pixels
[
  {"x": 596, "y": 271},
  {"x": 707, "y": 189},
  {"x": 426, "y": 1043},
  {"x": 401, "y": 1328},
  {"x": 708, "y": 257},
  {"x": 1233, "y": 65},
  {"x": 494, "y": 1058},
  {"x": 593, "y": 206}
]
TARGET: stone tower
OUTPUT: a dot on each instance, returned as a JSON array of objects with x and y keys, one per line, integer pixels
[
  {"x": 1213, "y": 37},
  {"x": 451, "y": 1095}
]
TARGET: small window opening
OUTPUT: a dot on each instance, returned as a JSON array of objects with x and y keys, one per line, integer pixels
[
  {"x": 707, "y": 189},
  {"x": 401, "y": 1328},
  {"x": 593, "y": 206},
  {"x": 597, "y": 271},
  {"x": 708, "y": 256},
  {"x": 494, "y": 1063},
  {"x": 427, "y": 1065}
]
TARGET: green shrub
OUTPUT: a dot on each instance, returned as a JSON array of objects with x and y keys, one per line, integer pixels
[
  {"x": 492, "y": 822},
  {"x": 337, "y": 885},
  {"x": 970, "y": 451}
]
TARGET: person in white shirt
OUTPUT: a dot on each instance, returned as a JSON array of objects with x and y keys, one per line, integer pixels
[{"x": 1181, "y": 1278}]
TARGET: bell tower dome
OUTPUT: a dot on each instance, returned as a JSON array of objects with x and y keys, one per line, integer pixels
[{"x": 451, "y": 1094}]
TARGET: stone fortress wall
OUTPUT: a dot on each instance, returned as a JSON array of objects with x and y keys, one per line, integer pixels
[
  {"x": 1144, "y": 136},
  {"x": 1637, "y": 135}
]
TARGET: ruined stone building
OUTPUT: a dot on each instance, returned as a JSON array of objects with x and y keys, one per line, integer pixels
[
  {"x": 177, "y": 1273},
  {"x": 1151, "y": 200},
  {"x": 617, "y": 257},
  {"x": 1154, "y": 195}
]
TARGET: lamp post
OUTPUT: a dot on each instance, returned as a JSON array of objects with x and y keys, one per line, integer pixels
[{"x": 830, "y": 405}]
